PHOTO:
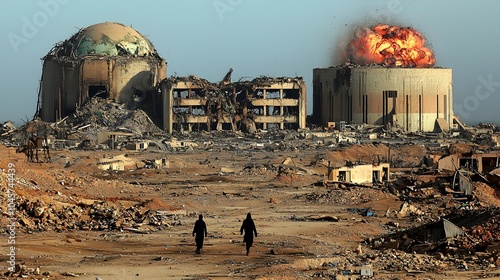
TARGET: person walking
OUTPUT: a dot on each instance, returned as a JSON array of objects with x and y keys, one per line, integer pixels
[
  {"x": 249, "y": 227},
  {"x": 200, "y": 229}
]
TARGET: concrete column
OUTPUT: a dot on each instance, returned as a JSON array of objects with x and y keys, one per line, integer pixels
[
  {"x": 282, "y": 124},
  {"x": 167, "y": 97}
]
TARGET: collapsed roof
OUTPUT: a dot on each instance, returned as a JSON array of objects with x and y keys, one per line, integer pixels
[{"x": 105, "y": 39}]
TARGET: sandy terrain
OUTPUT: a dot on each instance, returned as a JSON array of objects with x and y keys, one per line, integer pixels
[{"x": 291, "y": 243}]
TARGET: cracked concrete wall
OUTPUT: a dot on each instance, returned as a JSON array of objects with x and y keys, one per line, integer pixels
[{"x": 66, "y": 84}]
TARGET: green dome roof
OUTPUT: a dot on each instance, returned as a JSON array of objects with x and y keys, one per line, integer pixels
[{"x": 106, "y": 39}]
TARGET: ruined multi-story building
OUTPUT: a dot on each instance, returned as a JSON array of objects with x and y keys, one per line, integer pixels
[
  {"x": 414, "y": 99},
  {"x": 108, "y": 60},
  {"x": 113, "y": 61},
  {"x": 191, "y": 103}
]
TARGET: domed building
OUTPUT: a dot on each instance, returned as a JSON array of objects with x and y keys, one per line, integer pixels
[{"x": 108, "y": 60}]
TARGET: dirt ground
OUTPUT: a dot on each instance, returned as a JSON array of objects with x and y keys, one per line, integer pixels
[{"x": 224, "y": 187}]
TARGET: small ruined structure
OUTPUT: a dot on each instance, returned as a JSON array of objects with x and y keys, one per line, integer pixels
[
  {"x": 108, "y": 60},
  {"x": 111, "y": 138},
  {"x": 359, "y": 174},
  {"x": 483, "y": 162},
  {"x": 191, "y": 103},
  {"x": 32, "y": 139},
  {"x": 36, "y": 150}
]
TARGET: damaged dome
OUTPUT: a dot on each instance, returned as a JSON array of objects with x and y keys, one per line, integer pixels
[{"x": 105, "y": 39}]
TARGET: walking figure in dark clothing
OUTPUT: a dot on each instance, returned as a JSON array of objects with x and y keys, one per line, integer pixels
[
  {"x": 249, "y": 227},
  {"x": 200, "y": 229}
]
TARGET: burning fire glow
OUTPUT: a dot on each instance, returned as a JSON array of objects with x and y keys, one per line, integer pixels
[{"x": 390, "y": 46}]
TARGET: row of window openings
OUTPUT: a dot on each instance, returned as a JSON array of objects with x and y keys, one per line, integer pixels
[{"x": 287, "y": 93}]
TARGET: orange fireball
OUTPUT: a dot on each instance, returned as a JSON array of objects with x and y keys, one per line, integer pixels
[{"x": 390, "y": 46}]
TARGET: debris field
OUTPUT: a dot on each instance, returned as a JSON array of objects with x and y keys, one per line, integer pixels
[{"x": 105, "y": 194}]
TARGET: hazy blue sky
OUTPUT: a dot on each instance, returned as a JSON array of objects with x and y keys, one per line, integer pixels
[{"x": 257, "y": 37}]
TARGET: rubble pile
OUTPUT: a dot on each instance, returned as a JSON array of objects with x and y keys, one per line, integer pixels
[
  {"x": 446, "y": 185},
  {"x": 208, "y": 86},
  {"x": 486, "y": 195},
  {"x": 394, "y": 261},
  {"x": 258, "y": 169},
  {"x": 38, "y": 215},
  {"x": 96, "y": 115},
  {"x": 477, "y": 234},
  {"x": 363, "y": 264},
  {"x": 22, "y": 271},
  {"x": 399, "y": 155},
  {"x": 397, "y": 261},
  {"x": 482, "y": 231},
  {"x": 7, "y": 127},
  {"x": 345, "y": 196},
  {"x": 19, "y": 136},
  {"x": 491, "y": 126},
  {"x": 99, "y": 114}
]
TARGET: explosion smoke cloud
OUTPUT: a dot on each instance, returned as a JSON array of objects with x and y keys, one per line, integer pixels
[{"x": 392, "y": 46}]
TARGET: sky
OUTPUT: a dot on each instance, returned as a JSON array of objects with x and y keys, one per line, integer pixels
[{"x": 255, "y": 38}]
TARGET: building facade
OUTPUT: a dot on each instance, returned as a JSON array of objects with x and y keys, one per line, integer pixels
[
  {"x": 414, "y": 99},
  {"x": 192, "y": 103},
  {"x": 108, "y": 60}
]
